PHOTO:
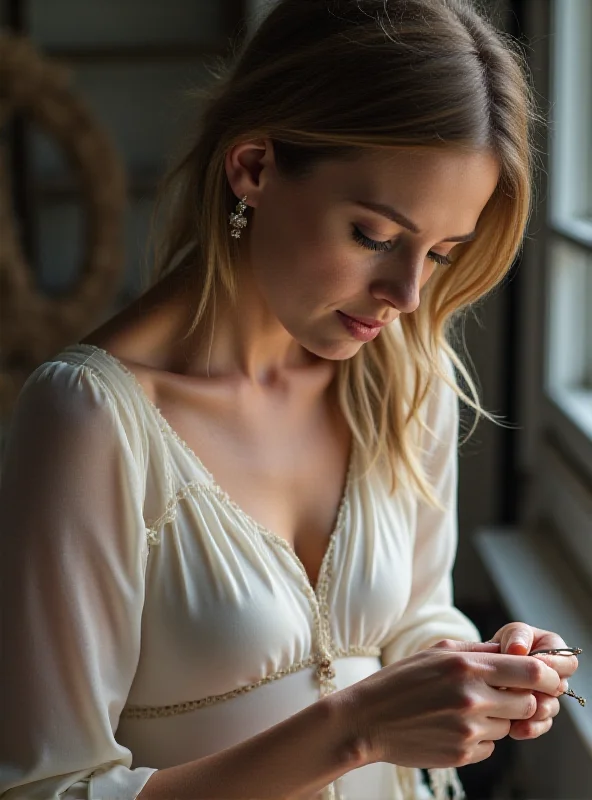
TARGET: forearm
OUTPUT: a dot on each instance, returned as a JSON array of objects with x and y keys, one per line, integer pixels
[{"x": 294, "y": 759}]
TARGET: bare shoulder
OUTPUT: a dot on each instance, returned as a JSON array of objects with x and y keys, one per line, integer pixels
[
  {"x": 137, "y": 335},
  {"x": 129, "y": 336},
  {"x": 130, "y": 357}
]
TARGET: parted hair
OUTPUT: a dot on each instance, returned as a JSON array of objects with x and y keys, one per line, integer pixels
[{"x": 329, "y": 79}]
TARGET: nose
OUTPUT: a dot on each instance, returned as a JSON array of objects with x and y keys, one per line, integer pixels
[{"x": 401, "y": 291}]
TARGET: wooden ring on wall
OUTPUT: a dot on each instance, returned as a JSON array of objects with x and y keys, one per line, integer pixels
[{"x": 33, "y": 326}]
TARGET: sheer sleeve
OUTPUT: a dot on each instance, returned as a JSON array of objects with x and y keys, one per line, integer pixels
[
  {"x": 72, "y": 570},
  {"x": 430, "y": 614}
]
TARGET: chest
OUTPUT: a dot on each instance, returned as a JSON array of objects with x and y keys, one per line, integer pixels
[
  {"x": 226, "y": 605},
  {"x": 283, "y": 464}
]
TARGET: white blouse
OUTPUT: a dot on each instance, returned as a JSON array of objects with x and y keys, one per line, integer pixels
[{"x": 148, "y": 621}]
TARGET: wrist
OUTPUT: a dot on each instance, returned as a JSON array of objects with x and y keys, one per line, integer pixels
[{"x": 344, "y": 710}]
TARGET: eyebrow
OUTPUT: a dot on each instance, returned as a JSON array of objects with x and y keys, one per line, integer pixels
[{"x": 401, "y": 219}]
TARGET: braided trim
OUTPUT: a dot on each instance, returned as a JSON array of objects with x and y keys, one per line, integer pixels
[
  {"x": 152, "y": 712},
  {"x": 168, "y": 515}
]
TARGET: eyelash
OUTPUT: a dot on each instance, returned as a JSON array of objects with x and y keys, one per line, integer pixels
[{"x": 372, "y": 244}]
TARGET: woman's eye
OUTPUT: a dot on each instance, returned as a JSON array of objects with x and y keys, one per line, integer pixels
[
  {"x": 438, "y": 258},
  {"x": 370, "y": 244},
  {"x": 385, "y": 247}
]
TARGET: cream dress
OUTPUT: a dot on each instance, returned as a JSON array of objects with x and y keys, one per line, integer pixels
[{"x": 149, "y": 621}]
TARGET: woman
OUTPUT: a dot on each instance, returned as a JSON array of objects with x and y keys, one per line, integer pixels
[{"x": 233, "y": 577}]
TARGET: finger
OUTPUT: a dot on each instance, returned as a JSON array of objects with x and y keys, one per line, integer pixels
[
  {"x": 517, "y": 639},
  {"x": 564, "y": 666},
  {"x": 534, "y": 706},
  {"x": 526, "y": 729},
  {"x": 521, "y": 672},
  {"x": 468, "y": 647},
  {"x": 514, "y": 704},
  {"x": 495, "y": 729},
  {"x": 546, "y": 707},
  {"x": 562, "y": 688},
  {"x": 547, "y": 640}
]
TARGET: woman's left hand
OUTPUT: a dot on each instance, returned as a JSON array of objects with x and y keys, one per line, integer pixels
[{"x": 518, "y": 638}]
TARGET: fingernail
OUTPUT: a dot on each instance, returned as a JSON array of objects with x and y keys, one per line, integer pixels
[{"x": 518, "y": 643}]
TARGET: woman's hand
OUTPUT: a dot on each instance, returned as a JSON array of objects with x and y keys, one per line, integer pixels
[
  {"x": 518, "y": 638},
  {"x": 442, "y": 706}
]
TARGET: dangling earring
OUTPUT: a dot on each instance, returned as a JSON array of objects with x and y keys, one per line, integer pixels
[{"x": 238, "y": 220}]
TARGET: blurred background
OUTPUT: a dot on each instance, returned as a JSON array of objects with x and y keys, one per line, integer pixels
[{"x": 94, "y": 102}]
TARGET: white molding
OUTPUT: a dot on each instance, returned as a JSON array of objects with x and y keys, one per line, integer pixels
[
  {"x": 566, "y": 415},
  {"x": 566, "y": 362},
  {"x": 578, "y": 231},
  {"x": 571, "y": 65}
]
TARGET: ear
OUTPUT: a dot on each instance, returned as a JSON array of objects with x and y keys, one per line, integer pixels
[{"x": 248, "y": 166}]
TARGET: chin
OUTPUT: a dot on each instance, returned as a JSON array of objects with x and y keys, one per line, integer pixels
[{"x": 334, "y": 351}]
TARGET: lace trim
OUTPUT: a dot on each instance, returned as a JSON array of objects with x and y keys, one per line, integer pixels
[
  {"x": 441, "y": 780},
  {"x": 151, "y": 712},
  {"x": 168, "y": 515},
  {"x": 213, "y": 488}
]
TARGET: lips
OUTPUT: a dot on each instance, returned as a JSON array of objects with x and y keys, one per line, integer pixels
[
  {"x": 359, "y": 330},
  {"x": 368, "y": 321}
]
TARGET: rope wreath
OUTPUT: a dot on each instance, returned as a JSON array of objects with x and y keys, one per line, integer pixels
[{"x": 33, "y": 326}]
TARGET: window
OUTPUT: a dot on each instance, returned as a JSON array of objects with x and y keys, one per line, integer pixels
[
  {"x": 562, "y": 466},
  {"x": 569, "y": 313}
]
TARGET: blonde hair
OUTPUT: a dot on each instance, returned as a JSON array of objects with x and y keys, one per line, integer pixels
[{"x": 328, "y": 79}]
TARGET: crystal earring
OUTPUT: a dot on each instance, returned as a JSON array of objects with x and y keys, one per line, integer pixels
[{"x": 238, "y": 220}]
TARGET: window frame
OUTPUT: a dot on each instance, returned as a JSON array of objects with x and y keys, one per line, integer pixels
[{"x": 556, "y": 402}]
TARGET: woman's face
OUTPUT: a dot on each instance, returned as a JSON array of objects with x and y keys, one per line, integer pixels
[{"x": 322, "y": 248}]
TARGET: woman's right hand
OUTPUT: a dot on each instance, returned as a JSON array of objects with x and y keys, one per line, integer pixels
[{"x": 444, "y": 706}]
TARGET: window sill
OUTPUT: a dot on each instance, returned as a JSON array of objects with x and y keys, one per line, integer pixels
[{"x": 537, "y": 586}]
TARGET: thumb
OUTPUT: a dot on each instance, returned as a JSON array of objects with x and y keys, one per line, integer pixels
[
  {"x": 467, "y": 647},
  {"x": 515, "y": 639}
]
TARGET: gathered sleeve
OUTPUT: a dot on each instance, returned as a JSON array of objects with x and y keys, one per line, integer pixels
[
  {"x": 72, "y": 571},
  {"x": 430, "y": 614}
]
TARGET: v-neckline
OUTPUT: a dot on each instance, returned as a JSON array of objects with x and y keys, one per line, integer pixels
[{"x": 222, "y": 494}]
